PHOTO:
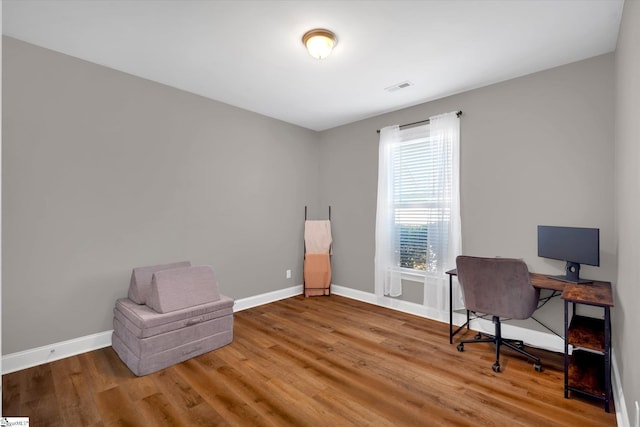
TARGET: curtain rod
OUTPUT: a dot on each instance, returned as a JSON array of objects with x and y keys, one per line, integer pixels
[{"x": 459, "y": 113}]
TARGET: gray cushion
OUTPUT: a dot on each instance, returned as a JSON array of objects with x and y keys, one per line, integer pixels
[
  {"x": 155, "y": 362},
  {"x": 140, "y": 284},
  {"x": 144, "y": 322},
  {"x": 168, "y": 340},
  {"x": 184, "y": 287}
]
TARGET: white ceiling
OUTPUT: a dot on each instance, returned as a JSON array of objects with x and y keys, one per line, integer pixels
[{"x": 249, "y": 53}]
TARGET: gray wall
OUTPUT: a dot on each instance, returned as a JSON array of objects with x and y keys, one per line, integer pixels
[
  {"x": 534, "y": 150},
  {"x": 626, "y": 314},
  {"x": 103, "y": 171}
]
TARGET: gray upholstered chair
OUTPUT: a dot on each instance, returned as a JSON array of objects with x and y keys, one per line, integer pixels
[{"x": 499, "y": 287}]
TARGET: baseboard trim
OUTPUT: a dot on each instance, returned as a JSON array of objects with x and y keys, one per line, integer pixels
[
  {"x": 49, "y": 353},
  {"x": 543, "y": 340},
  {"x": 395, "y": 304},
  {"x": 256, "y": 300},
  {"x": 56, "y": 351},
  {"x": 622, "y": 416}
]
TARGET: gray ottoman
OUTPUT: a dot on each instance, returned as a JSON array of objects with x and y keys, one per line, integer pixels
[{"x": 182, "y": 316}]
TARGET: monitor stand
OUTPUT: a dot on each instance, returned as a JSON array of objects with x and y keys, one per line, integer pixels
[{"x": 573, "y": 274}]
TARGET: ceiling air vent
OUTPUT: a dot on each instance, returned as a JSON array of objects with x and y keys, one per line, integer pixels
[{"x": 398, "y": 86}]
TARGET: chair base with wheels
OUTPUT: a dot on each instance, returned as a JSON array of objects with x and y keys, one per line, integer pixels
[{"x": 517, "y": 345}]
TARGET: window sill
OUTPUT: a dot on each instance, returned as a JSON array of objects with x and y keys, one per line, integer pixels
[{"x": 412, "y": 275}]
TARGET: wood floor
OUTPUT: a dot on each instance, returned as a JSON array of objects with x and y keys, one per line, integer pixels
[{"x": 320, "y": 361}]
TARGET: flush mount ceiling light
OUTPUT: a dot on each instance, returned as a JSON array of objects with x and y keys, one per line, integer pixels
[{"x": 319, "y": 42}]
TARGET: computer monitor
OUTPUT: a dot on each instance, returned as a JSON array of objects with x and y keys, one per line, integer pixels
[{"x": 575, "y": 245}]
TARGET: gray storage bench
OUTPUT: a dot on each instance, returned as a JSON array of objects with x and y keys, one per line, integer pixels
[{"x": 174, "y": 312}]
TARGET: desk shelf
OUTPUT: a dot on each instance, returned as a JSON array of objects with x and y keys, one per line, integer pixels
[
  {"x": 586, "y": 373},
  {"x": 588, "y": 369},
  {"x": 587, "y": 333}
]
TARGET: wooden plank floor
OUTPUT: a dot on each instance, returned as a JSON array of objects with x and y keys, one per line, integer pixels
[{"x": 322, "y": 361}]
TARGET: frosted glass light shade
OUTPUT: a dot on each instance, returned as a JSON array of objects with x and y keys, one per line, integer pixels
[{"x": 319, "y": 42}]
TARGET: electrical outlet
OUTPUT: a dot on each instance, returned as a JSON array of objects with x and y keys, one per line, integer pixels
[{"x": 288, "y": 274}]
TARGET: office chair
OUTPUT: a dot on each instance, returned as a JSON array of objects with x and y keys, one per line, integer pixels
[{"x": 499, "y": 287}]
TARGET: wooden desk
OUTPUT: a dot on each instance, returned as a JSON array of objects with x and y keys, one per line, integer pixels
[
  {"x": 543, "y": 281},
  {"x": 540, "y": 281},
  {"x": 591, "y": 341}
]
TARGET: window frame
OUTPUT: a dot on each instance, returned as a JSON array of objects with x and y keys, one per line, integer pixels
[{"x": 414, "y": 135}]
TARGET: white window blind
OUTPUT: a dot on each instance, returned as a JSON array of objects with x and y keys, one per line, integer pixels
[{"x": 421, "y": 169}]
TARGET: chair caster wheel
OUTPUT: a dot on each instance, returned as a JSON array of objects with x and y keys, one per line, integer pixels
[
  {"x": 496, "y": 367},
  {"x": 460, "y": 347},
  {"x": 478, "y": 336},
  {"x": 537, "y": 367}
]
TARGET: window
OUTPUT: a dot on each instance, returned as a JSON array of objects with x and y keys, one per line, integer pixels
[
  {"x": 418, "y": 216},
  {"x": 421, "y": 190}
]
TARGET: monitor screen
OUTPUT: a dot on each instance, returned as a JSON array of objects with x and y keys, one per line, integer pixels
[
  {"x": 579, "y": 245},
  {"x": 574, "y": 245}
]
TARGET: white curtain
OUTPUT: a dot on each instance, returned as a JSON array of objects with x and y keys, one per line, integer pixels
[
  {"x": 439, "y": 209},
  {"x": 388, "y": 280},
  {"x": 445, "y": 134}
]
